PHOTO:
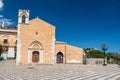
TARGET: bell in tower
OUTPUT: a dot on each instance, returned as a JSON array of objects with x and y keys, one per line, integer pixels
[{"x": 23, "y": 16}]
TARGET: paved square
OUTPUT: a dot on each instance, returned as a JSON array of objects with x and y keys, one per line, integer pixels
[{"x": 10, "y": 71}]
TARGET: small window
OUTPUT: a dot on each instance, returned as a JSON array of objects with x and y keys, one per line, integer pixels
[
  {"x": 16, "y": 42},
  {"x": 23, "y": 19},
  {"x": 5, "y": 41}
]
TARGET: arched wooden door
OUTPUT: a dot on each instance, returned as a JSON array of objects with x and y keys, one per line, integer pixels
[
  {"x": 35, "y": 56},
  {"x": 59, "y": 57}
]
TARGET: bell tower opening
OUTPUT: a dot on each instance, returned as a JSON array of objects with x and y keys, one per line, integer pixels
[
  {"x": 23, "y": 16},
  {"x": 23, "y": 19}
]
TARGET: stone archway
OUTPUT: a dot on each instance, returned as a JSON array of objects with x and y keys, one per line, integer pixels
[
  {"x": 35, "y": 52},
  {"x": 35, "y": 56},
  {"x": 59, "y": 57}
]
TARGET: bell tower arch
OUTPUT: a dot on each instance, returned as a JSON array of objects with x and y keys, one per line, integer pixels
[{"x": 23, "y": 16}]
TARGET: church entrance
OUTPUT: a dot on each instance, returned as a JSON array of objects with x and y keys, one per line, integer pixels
[
  {"x": 59, "y": 57},
  {"x": 35, "y": 56},
  {"x": 35, "y": 52}
]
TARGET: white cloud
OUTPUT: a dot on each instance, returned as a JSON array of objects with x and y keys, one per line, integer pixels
[
  {"x": 1, "y": 4},
  {"x": 7, "y": 22},
  {"x": 1, "y": 16}
]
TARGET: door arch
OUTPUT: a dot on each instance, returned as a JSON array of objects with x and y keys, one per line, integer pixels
[
  {"x": 59, "y": 57},
  {"x": 35, "y": 56}
]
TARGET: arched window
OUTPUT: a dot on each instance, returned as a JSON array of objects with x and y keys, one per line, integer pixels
[{"x": 23, "y": 18}]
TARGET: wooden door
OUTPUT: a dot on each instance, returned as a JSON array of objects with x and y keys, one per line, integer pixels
[
  {"x": 59, "y": 57},
  {"x": 35, "y": 56}
]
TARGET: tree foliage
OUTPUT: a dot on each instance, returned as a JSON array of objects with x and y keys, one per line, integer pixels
[
  {"x": 113, "y": 56},
  {"x": 94, "y": 54}
]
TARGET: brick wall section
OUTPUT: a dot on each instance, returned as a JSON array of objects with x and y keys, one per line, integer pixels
[
  {"x": 60, "y": 47},
  {"x": 71, "y": 53},
  {"x": 74, "y": 54}
]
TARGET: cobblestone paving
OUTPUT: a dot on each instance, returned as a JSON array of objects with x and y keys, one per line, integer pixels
[{"x": 10, "y": 71}]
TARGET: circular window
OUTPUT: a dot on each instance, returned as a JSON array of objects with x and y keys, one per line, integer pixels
[{"x": 36, "y": 33}]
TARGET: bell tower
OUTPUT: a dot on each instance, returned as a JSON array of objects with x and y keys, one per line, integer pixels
[{"x": 23, "y": 16}]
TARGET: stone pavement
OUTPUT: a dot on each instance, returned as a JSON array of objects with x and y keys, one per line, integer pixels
[{"x": 10, "y": 71}]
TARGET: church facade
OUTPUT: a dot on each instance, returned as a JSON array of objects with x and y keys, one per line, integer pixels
[{"x": 36, "y": 43}]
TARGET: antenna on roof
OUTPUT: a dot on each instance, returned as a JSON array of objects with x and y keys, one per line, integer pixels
[{"x": 3, "y": 24}]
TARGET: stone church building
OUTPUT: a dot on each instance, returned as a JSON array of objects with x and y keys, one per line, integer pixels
[{"x": 36, "y": 43}]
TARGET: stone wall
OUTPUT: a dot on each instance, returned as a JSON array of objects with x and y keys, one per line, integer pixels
[{"x": 95, "y": 60}]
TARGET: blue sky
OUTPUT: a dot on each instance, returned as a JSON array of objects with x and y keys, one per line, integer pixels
[{"x": 83, "y": 23}]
